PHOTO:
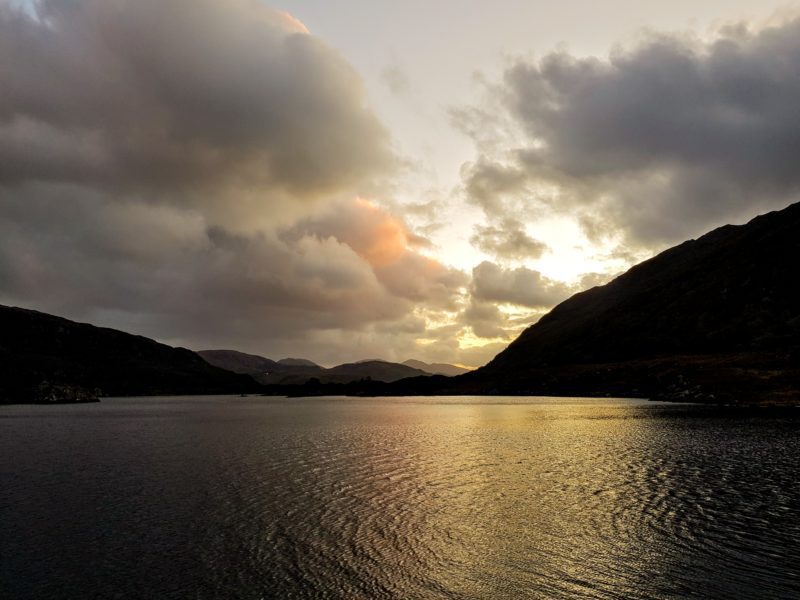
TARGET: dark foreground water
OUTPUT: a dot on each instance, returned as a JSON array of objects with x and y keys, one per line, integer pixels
[{"x": 397, "y": 498}]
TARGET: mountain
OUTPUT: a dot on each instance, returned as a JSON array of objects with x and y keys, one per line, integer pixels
[
  {"x": 717, "y": 318},
  {"x": 377, "y": 370},
  {"x": 297, "y": 371},
  {"x": 297, "y": 362},
  {"x": 287, "y": 371},
  {"x": 369, "y": 370},
  {"x": 47, "y": 358},
  {"x": 239, "y": 362},
  {"x": 436, "y": 368}
]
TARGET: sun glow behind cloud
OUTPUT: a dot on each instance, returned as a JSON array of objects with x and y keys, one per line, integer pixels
[{"x": 381, "y": 240}]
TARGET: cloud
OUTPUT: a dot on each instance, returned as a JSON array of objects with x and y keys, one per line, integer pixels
[
  {"x": 590, "y": 280},
  {"x": 520, "y": 286},
  {"x": 172, "y": 263},
  {"x": 508, "y": 239},
  {"x": 375, "y": 235},
  {"x": 396, "y": 80},
  {"x": 485, "y": 319},
  {"x": 190, "y": 170},
  {"x": 176, "y": 96},
  {"x": 385, "y": 242},
  {"x": 475, "y": 356},
  {"x": 659, "y": 142},
  {"x": 169, "y": 273},
  {"x": 489, "y": 184}
]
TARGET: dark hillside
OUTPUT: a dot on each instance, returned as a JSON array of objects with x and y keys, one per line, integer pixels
[
  {"x": 736, "y": 289},
  {"x": 716, "y": 314},
  {"x": 46, "y": 358}
]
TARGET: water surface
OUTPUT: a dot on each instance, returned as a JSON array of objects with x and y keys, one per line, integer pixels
[{"x": 251, "y": 498}]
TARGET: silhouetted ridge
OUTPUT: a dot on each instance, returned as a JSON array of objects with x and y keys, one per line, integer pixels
[
  {"x": 239, "y": 362},
  {"x": 48, "y": 358},
  {"x": 298, "y": 371},
  {"x": 732, "y": 290},
  {"x": 378, "y": 370},
  {"x": 298, "y": 362}
]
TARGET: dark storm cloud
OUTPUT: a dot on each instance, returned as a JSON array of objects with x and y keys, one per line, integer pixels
[
  {"x": 661, "y": 141},
  {"x": 152, "y": 95}
]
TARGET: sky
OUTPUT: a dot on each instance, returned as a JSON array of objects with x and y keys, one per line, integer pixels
[{"x": 375, "y": 179}]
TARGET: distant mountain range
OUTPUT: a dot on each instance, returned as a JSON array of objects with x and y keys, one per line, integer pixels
[
  {"x": 44, "y": 358},
  {"x": 295, "y": 371}
]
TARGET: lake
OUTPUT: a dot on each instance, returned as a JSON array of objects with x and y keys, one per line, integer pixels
[{"x": 251, "y": 498}]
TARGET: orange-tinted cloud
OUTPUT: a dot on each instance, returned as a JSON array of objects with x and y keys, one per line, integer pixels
[
  {"x": 374, "y": 234},
  {"x": 385, "y": 243},
  {"x": 293, "y": 22}
]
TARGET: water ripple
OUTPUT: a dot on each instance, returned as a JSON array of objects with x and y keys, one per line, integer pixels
[{"x": 397, "y": 499}]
